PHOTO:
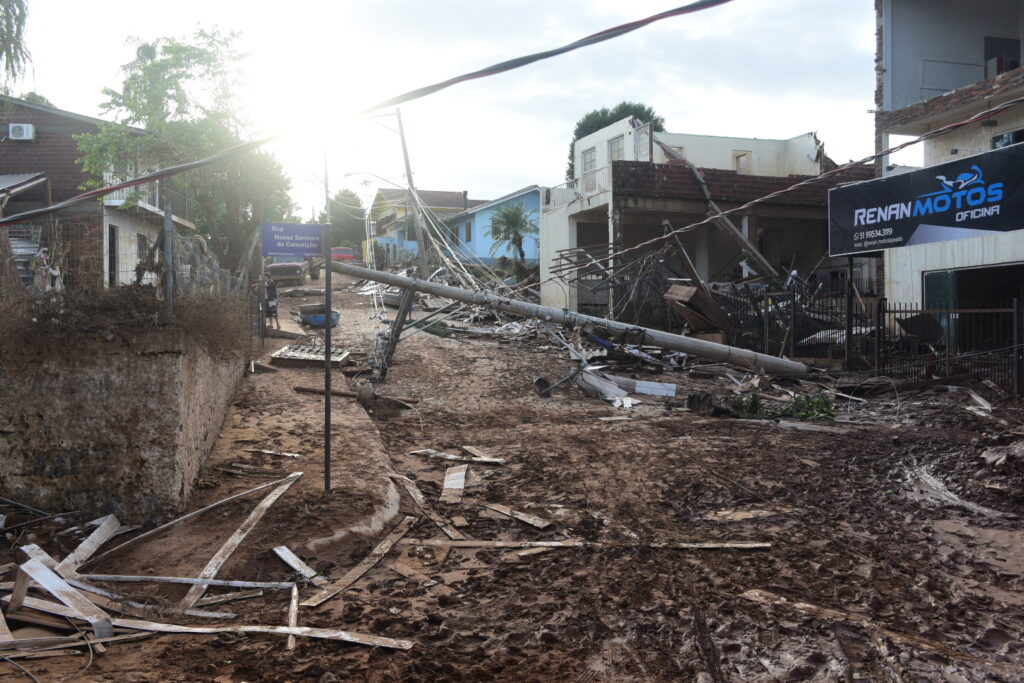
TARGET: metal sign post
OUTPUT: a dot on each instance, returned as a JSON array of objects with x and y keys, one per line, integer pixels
[
  {"x": 299, "y": 241},
  {"x": 328, "y": 314}
]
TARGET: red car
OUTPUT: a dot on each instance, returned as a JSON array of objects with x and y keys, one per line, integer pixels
[{"x": 342, "y": 254}]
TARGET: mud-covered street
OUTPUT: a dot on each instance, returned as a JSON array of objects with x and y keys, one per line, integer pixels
[{"x": 895, "y": 542}]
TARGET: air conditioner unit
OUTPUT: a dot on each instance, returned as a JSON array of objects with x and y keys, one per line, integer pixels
[{"x": 21, "y": 131}]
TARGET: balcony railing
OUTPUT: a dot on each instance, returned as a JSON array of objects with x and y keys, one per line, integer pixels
[
  {"x": 155, "y": 194},
  {"x": 588, "y": 184}
]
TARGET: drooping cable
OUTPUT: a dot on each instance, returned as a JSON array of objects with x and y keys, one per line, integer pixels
[{"x": 518, "y": 62}]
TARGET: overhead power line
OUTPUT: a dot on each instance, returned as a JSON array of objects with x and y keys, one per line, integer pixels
[{"x": 518, "y": 62}]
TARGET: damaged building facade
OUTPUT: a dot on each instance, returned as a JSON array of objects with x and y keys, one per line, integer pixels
[
  {"x": 632, "y": 184},
  {"x": 96, "y": 243},
  {"x": 938, "y": 64}
]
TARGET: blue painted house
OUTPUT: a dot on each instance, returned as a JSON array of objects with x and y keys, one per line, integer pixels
[{"x": 470, "y": 231}]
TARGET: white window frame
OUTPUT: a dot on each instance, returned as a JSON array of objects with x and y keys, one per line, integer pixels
[
  {"x": 588, "y": 155},
  {"x": 619, "y": 142},
  {"x": 742, "y": 161}
]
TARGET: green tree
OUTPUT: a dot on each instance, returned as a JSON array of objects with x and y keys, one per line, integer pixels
[
  {"x": 13, "y": 59},
  {"x": 35, "y": 98},
  {"x": 175, "y": 105},
  {"x": 348, "y": 219},
  {"x": 510, "y": 226},
  {"x": 14, "y": 55},
  {"x": 594, "y": 121}
]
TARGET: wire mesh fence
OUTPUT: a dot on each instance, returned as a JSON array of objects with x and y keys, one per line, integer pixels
[{"x": 90, "y": 268}]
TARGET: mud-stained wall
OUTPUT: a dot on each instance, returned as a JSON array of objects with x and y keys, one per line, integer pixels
[{"x": 119, "y": 425}]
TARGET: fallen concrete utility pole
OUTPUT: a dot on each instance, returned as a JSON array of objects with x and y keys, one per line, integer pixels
[{"x": 742, "y": 358}]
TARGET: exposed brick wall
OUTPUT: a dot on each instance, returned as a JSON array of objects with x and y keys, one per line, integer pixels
[
  {"x": 53, "y": 151},
  {"x": 968, "y": 94},
  {"x": 676, "y": 181}
]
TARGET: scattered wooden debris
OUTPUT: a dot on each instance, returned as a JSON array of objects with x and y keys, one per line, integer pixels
[
  {"x": 983, "y": 413},
  {"x": 226, "y": 550},
  {"x": 417, "y": 497},
  {"x": 576, "y": 543},
  {"x": 484, "y": 460},
  {"x": 301, "y": 631},
  {"x": 293, "y": 616},
  {"x": 183, "y": 518},
  {"x": 351, "y": 394},
  {"x": 81, "y": 607},
  {"x": 532, "y": 520},
  {"x": 119, "y": 578},
  {"x": 275, "y": 453},
  {"x": 481, "y": 457},
  {"x": 296, "y": 563},
  {"x": 454, "y": 484},
  {"x": 228, "y": 597},
  {"x": 369, "y": 561}
]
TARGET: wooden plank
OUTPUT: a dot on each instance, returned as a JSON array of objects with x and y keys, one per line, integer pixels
[
  {"x": 277, "y": 453},
  {"x": 526, "y": 517},
  {"x": 228, "y": 597},
  {"x": 417, "y": 497},
  {"x": 480, "y": 456},
  {"x": 114, "y": 602},
  {"x": 183, "y": 518},
  {"x": 226, "y": 550},
  {"x": 36, "y": 553},
  {"x": 124, "y": 578},
  {"x": 300, "y": 631},
  {"x": 89, "y": 546},
  {"x": 413, "y": 575},
  {"x": 369, "y": 561},
  {"x": 293, "y": 616},
  {"x": 5, "y": 631},
  {"x": 97, "y": 641},
  {"x": 454, "y": 484},
  {"x": 296, "y": 563},
  {"x": 574, "y": 543},
  {"x": 33, "y": 643},
  {"x": 52, "y": 583}
]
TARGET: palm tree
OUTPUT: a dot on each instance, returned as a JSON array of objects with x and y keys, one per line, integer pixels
[
  {"x": 13, "y": 54},
  {"x": 510, "y": 226}
]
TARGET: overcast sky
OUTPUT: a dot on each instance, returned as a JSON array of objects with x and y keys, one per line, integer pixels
[{"x": 751, "y": 68}]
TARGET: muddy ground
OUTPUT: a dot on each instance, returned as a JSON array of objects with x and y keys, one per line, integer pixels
[{"x": 904, "y": 522}]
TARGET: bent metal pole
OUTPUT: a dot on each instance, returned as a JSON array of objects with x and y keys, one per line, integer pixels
[{"x": 742, "y": 358}]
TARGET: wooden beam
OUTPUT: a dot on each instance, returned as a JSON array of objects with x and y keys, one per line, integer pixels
[
  {"x": 369, "y": 561},
  {"x": 230, "y": 545},
  {"x": 417, "y": 497},
  {"x": 183, "y": 518},
  {"x": 296, "y": 563},
  {"x": 301, "y": 631},
  {"x": 124, "y": 578},
  {"x": 56, "y": 586},
  {"x": 87, "y": 548}
]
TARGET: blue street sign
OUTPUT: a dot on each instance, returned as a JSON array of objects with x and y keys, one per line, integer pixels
[{"x": 292, "y": 239}]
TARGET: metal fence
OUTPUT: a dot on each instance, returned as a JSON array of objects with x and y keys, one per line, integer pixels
[
  {"x": 911, "y": 342},
  {"x": 899, "y": 340}
]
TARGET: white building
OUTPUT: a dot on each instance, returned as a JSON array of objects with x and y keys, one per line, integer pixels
[{"x": 626, "y": 188}]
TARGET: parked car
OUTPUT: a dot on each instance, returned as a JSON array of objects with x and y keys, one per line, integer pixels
[
  {"x": 289, "y": 272},
  {"x": 343, "y": 254}
]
